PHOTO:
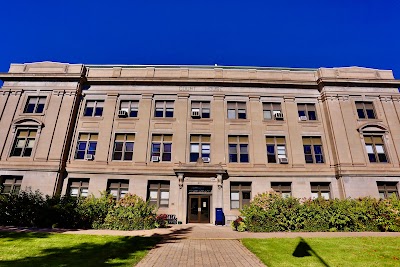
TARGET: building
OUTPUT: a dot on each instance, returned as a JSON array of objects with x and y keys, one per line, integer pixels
[{"x": 195, "y": 138}]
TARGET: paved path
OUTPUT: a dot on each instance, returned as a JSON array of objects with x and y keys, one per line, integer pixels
[{"x": 200, "y": 252}]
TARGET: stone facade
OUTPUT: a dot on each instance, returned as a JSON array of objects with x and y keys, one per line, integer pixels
[{"x": 196, "y": 138}]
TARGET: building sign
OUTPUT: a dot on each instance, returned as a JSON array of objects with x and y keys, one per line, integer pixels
[{"x": 195, "y": 189}]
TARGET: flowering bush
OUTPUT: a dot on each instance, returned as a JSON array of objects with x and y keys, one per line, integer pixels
[{"x": 162, "y": 221}]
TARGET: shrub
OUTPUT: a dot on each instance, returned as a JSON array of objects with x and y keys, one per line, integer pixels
[
  {"x": 130, "y": 213},
  {"x": 269, "y": 212},
  {"x": 161, "y": 221},
  {"x": 93, "y": 211}
]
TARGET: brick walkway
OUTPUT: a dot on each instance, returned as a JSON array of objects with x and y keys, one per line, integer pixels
[{"x": 200, "y": 252}]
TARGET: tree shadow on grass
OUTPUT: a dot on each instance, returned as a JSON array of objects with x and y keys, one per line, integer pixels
[
  {"x": 119, "y": 252},
  {"x": 303, "y": 249}
]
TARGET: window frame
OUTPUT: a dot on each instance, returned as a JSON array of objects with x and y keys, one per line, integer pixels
[
  {"x": 238, "y": 144},
  {"x": 314, "y": 142},
  {"x": 36, "y": 106},
  {"x": 124, "y": 142},
  {"x": 237, "y": 107},
  {"x": 201, "y": 108},
  {"x": 132, "y": 109},
  {"x": 162, "y": 144},
  {"x": 273, "y": 108},
  {"x": 87, "y": 149},
  {"x": 282, "y": 188},
  {"x": 242, "y": 188},
  {"x": 320, "y": 188},
  {"x": 83, "y": 184},
  {"x": 383, "y": 188},
  {"x": 361, "y": 108},
  {"x": 158, "y": 186},
  {"x": 373, "y": 146},
  {"x": 15, "y": 185},
  {"x": 27, "y": 142},
  {"x": 166, "y": 105},
  {"x": 308, "y": 108},
  {"x": 276, "y": 146},
  {"x": 120, "y": 185},
  {"x": 200, "y": 144},
  {"x": 98, "y": 105}
]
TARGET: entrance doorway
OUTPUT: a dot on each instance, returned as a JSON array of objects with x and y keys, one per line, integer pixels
[{"x": 199, "y": 209}]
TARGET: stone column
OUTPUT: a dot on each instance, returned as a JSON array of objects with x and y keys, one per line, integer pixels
[{"x": 220, "y": 192}]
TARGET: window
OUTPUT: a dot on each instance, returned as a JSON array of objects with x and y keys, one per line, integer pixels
[
  {"x": 199, "y": 147},
  {"x": 320, "y": 190},
  {"x": 375, "y": 148},
  {"x": 200, "y": 108},
  {"x": 313, "y": 150},
  {"x": 24, "y": 143},
  {"x": 236, "y": 110},
  {"x": 270, "y": 109},
  {"x": 240, "y": 194},
  {"x": 387, "y": 189},
  {"x": 87, "y": 144},
  {"x": 307, "y": 112},
  {"x": 123, "y": 146},
  {"x": 78, "y": 187},
  {"x": 118, "y": 188},
  {"x": 94, "y": 108},
  {"x": 164, "y": 109},
  {"x": 130, "y": 107},
  {"x": 161, "y": 147},
  {"x": 276, "y": 149},
  {"x": 238, "y": 148},
  {"x": 284, "y": 189},
  {"x": 35, "y": 104},
  {"x": 365, "y": 110},
  {"x": 159, "y": 193},
  {"x": 10, "y": 184}
]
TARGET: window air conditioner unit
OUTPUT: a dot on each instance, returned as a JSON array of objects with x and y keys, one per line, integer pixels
[
  {"x": 155, "y": 158},
  {"x": 196, "y": 114},
  {"x": 278, "y": 116},
  {"x": 122, "y": 114},
  {"x": 206, "y": 159},
  {"x": 89, "y": 157},
  {"x": 303, "y": 118},
  {"x": 283, "y": 161}
]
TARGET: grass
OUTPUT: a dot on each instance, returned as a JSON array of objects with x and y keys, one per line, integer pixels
[
  {"x": 347, "y": 251},
  {"x": 46, "y": 249}
]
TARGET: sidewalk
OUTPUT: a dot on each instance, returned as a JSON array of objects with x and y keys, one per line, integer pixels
[{"x": 202, "y": 231}]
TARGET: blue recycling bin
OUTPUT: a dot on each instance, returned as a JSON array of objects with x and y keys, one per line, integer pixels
[{"x": 219, "y": 217}]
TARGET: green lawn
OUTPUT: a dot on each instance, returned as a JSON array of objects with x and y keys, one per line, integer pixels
[
  {"x": 348, "y": 251},
  {"x": 44, "y": 249}
]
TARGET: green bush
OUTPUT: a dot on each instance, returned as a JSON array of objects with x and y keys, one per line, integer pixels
[
  {"x": 32, "y": 209},
  {"x": 131, "y": 213},
  {"x": 269, "y": 212}
]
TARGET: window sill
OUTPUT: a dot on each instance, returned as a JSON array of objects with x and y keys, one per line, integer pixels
[
  {"x": 87, "y": 118},
  {"x": 201, "y": 120},
  {"x": 368, "y": 120},
  {"x": 17, "y": 158},
  {"x": 310, "y": 121},
  {"x": 33, "y": 114},
  {"x": 127, "y": 118},
  {"x": 274, "y": 121},
  {"x": 238, "y": 120},
  {"x": 163, "y": 119}
]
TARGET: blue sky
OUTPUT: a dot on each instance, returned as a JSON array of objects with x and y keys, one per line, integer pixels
[{"x": 306, "y": 34}]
